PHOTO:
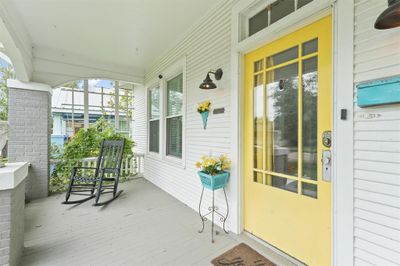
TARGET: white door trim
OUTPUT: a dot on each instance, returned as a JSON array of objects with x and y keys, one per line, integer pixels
[
  {"x": 343, "y": 173},
  {"x": 342, "y": 231}
]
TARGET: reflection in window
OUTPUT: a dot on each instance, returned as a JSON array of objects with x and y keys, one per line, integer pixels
[
  {"x": 258, "y": 120},
  {"x": 281, "y": 9},
  {"x": 282, "y": 57},
  {"x": 174, "y": 116},
  {"x": 282, "y": 119},
  {"x": 309, "y": 190},
  {"x": 258, "y": 177},
  {"x": 174, "y": 96},
  {"x": 301, "y": 3},
  {"x": 154, "y": 116},
  {"x": 310, "y": 123},
  {"x": 258, "y": 21},
  {"x": 310, "y": 47},
  {"x": 284, "y": 183}
]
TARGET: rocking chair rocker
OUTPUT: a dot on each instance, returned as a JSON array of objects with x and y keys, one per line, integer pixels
[{"x": 108, "y": 168}]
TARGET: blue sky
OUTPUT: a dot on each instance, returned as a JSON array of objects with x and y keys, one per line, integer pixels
[
  {"x": 3, "y": 63},
  {"x": 105, "y": 83}
]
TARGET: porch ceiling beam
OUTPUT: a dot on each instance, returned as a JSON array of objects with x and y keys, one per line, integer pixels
[
  {"x": 16, "y": 41},
  {"x": 56, "y": 67}
]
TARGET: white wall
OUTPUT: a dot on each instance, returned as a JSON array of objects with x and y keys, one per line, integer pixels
[
  {"x": 376, "y": 144},
  {"x": 206, "y": 47}
]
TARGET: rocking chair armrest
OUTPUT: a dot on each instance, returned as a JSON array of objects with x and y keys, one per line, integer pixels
[
  {"x": 108, "y": 168},
  {"x": 84, "y": 167},
  {"x": 75, "y": 169}
]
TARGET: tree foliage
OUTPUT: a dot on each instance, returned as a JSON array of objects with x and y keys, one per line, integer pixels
[
  {"x": 86, "y": 143},
  {"x": 6, "y": 72}
]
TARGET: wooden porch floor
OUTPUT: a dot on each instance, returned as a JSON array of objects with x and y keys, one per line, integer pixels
[{"x": 145, "y": 226}]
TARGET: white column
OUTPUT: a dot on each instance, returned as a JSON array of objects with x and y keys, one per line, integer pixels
[
  {"x": 116, "y": 105},
  {"x": 29, "y": 104},
  {"x": 342, "y": 145},
  {"x": 73, "y": 112},
  {"x": 86, "y": 104}
]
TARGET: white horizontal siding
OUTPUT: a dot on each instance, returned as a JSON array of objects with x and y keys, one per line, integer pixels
[
  {"x": 376, "y": 144},
  {"x": 207, "y": 47}
]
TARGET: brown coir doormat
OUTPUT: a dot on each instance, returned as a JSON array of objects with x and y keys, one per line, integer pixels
[{"x": 241, "y": 255}]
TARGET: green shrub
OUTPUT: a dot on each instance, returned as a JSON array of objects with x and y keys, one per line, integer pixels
[{"x": 86, "y": 143}]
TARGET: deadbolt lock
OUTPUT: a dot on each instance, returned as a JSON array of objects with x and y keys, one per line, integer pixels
[{"x": 327, "y": 138}]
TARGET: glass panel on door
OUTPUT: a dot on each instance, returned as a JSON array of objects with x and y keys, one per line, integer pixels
[
  {"x": 285, "y": 133},
  {"x": 258, "y": 124}
]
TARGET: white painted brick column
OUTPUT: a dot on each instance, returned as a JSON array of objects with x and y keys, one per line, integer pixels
[{"x": 29, "y": 116}]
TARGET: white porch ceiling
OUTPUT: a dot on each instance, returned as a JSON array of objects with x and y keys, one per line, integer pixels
[{"x": 124, "y": 36}]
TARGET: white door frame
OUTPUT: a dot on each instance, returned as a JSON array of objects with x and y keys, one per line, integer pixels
[{"x": 342, "y": 182}]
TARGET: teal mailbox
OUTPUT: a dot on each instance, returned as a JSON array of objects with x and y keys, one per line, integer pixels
[{"x": 378, "y": 92}]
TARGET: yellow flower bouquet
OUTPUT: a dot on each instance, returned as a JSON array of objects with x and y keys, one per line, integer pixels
[
  {"x": 213, "y": 165},
  {"x": 203, "y": 107}
]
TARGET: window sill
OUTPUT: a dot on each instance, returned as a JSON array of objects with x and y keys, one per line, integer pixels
[{"x": 170, "y": 160}]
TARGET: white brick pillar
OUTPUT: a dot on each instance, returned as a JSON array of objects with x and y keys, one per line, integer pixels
[{"x": 29, "y": 116}]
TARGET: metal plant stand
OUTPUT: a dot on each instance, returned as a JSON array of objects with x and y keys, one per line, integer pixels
[{"x": 212, "y": 210}]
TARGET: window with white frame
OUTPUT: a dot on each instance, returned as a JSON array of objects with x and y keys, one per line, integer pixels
[
  {"x": 264, "y": 13},
  {"x": 173, "y": 118},
  {"x": 154, "y": 119}
]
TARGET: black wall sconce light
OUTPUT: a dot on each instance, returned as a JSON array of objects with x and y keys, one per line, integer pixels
[
  {"x": 390, "y": 17},
  {"x": 208, "y": 83}
]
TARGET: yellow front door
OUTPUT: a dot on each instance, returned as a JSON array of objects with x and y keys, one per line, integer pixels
[{"x": 288, "y": 101}]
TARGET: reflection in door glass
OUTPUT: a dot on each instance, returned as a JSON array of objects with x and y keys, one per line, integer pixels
[
  {"x": 258, "y": 177},
  {"x": 310, "y": 110},
  {"x": 258, "y": 120},
  {"x": 284, "y": 183},
  {"x": 282, "y": 122},
  {"x": 309, "y": 190}
]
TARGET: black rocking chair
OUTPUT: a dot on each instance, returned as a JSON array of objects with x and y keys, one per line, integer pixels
[{"x": 107, "y": 170}]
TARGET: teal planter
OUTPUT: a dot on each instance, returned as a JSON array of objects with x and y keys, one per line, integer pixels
[
  {"x": 214, "y": 182},
  {"x": 204, "y": 117}
]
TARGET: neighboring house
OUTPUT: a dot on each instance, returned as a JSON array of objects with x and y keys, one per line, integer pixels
[{"x": 64, "y": 127}]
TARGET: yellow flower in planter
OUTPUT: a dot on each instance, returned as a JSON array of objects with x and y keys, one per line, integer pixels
[
  {"x": 213, "y": 165},
  {"x": 203, "y": 107}
]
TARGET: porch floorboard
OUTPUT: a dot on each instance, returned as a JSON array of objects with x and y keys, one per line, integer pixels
[{"x": 144, "y": 226}]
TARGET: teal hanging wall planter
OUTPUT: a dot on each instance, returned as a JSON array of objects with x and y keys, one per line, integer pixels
[
  {"x": 203, "y": 109},
  {"x": 204, "y": 117}
]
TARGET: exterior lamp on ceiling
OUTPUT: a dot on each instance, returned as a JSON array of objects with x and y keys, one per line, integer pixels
[
  {"x": 390, "y": 17},
  {"x": 208, "y": 83}
]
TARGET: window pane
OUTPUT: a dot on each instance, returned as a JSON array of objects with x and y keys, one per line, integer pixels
[
  {"x": 175, "y": 95},
  {"x": 174, "y": 136},
  {"x": 258, "y": 177},
  {"x": 258, "y": 65},
  {"x": 282, "y": 120},
  {"x": 258, "y": 120},
  {"x": 310, "y": 190},
  {"x": 284, "y": 183},
  {"x": 258, "y": 22},
  {"x": 282, "y": 57},
  {"x": 154, "y": 102},
  {"x": 280, "y": 9},
  {"x": 302, "y": 3},
  {"x": 154, "y": 133},
  {"x": 310, "y": 110},
  {"x": 310, "y": 47}
]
